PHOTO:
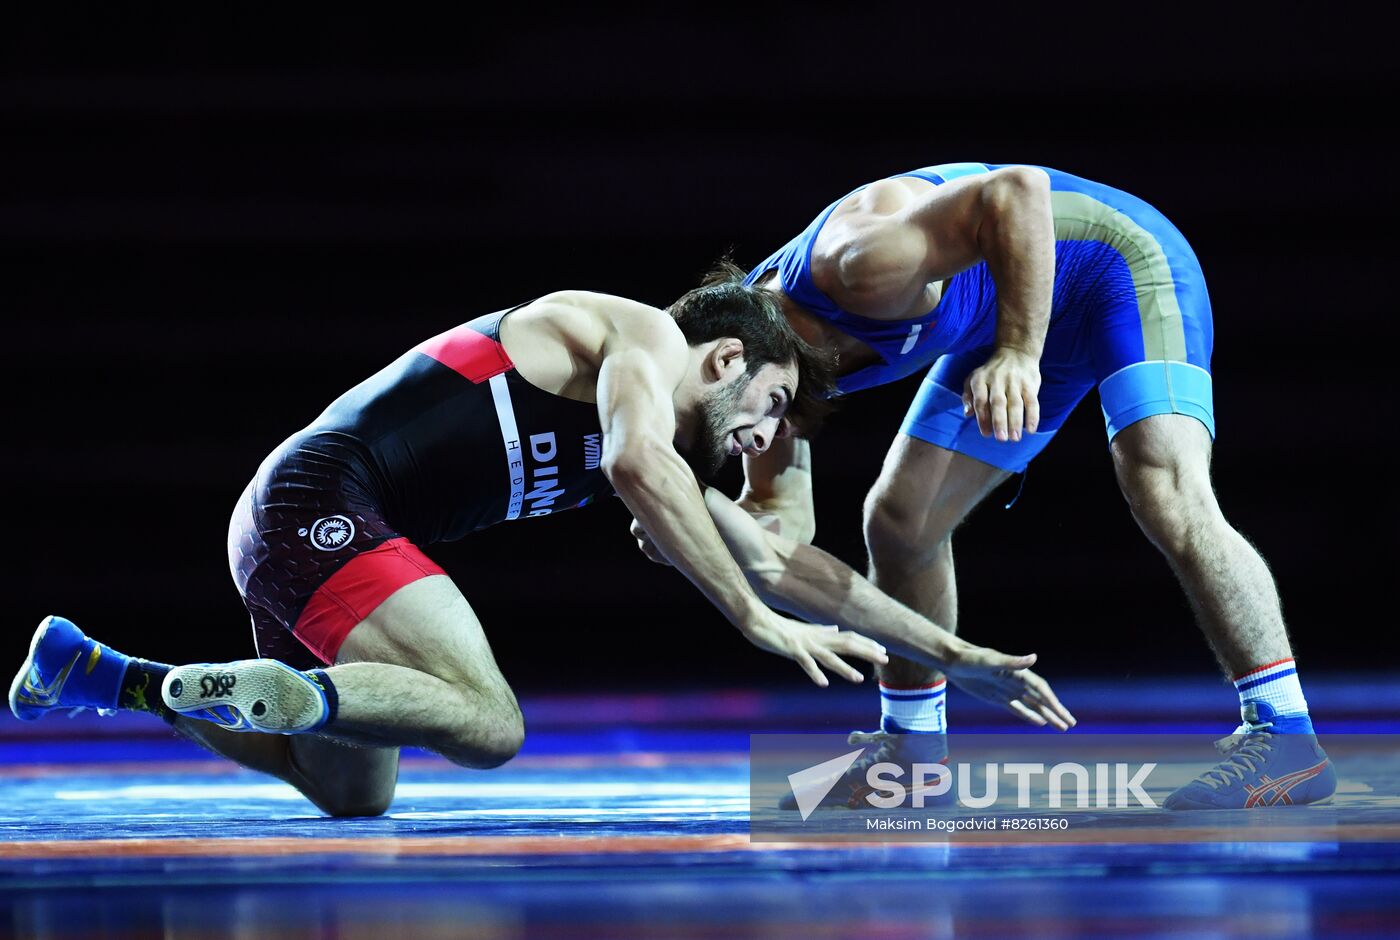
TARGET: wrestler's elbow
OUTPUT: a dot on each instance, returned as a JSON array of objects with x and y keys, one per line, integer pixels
[
  {"x": 635, "y": 459},
  {"x": 619, "y": 467}
]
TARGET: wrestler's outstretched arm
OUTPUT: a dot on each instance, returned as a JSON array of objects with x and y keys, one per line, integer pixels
[{"x": 807, "y": 581}]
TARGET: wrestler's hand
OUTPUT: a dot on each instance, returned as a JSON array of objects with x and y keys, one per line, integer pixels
[
  {"x": 1004, "y": 394},
  {"x": 1006, "y": 680},
  {"x": 813, "y": 647},
  {"x": 647, "y": 546}
]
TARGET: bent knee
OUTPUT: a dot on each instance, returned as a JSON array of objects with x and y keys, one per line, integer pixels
[
  {"x": 505, "y": 743},
  {"x": 898, "y": 530},
  {"x": 1173, "y": 509},
  {"x": 487, "y": 739}
]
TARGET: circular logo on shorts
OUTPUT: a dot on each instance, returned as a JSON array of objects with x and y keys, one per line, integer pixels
[{"x": 332, "y": 532}]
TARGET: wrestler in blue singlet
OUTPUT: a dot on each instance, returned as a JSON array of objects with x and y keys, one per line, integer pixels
[{"x": 1129, "y": 314}]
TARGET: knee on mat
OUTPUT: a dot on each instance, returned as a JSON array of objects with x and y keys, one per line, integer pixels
[{"x": 357, "y": 801}]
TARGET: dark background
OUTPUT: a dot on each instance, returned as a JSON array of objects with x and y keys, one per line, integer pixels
[{"x": 215, "y": 222}]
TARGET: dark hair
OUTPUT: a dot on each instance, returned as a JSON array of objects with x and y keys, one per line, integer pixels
[{"x": 722, "y": 307}]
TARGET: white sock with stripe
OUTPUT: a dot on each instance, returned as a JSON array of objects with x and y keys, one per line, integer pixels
[
  {"x": 1275, "y": 684},
  {"x": 913, "y": 709}
]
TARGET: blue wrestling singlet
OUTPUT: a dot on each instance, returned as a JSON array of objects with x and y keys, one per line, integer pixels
[{"x": 1129, "y": 314}]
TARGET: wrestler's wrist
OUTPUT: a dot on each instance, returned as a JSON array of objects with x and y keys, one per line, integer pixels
[
  {"x": 1022, "y": 348},
  {"x": 748, "y": 617},
  {"x": 952, "y": 650}
]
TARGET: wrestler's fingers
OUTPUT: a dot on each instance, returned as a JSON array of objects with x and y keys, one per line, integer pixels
[
  {"x": 1020, "y": 709},
  {"x": 982, "y": 406},
  {"x": 1041, "y": 689},
  {"x": 975, "y": 393},
  {"x": 1032, "y": 411},
  {"x": 1046, "y": 712},
  {"x": 809, "y": 666},
  {"x": 1015, "y": 415},
  {"x": 838, "y": 665},
  {"x": 996, "y": 414},
  {"x": 847, "y": 643}
]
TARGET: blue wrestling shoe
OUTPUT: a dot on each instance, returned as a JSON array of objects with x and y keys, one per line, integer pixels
[
  {"x": 250, "y": 695},
  {"x": 66, "y": 670},
  {"x": 902, "y": 749},
  {"x": 1271, "y": 760}
]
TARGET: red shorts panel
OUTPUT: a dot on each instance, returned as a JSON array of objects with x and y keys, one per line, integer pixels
[
  {"x": 311, "y": 552},
  {"x": 355, "y": 590}
]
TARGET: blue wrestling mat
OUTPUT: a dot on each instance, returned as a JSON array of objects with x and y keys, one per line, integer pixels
[{"x": 628, "y": 816}]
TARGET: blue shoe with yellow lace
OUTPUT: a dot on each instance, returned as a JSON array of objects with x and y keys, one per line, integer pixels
[
  {"x": 66, "y": 670},
  {"x": 1271, "y": 760}
]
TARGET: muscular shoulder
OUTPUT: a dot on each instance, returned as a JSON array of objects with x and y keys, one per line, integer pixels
[
  {"x": 559, "y": 342},
  {"x": 867, "y": 252},
  {"x": 885, "y": 247},
  {"x": 605, "y": 322}
]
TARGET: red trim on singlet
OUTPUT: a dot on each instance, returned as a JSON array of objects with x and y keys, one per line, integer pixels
[
  {"x": 468, "y": 353},
  {"x": 355, "y": 590}
]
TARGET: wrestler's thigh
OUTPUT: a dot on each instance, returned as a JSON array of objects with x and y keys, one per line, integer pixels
[{"x": 426, "y": 625}]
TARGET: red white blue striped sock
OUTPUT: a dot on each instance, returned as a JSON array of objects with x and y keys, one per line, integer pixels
[
  {"x": 1275, "y": 684},
  {"x": 916, "y": 709}
]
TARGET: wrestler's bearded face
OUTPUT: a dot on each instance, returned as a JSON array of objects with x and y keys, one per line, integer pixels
[
  {"x": 714, "y": 433},
  {"x": 743, "y": 417}
]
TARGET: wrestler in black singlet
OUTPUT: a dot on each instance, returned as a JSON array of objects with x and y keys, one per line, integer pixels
[{"x": 446, "y": 440}]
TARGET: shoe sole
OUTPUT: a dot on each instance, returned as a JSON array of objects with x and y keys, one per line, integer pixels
[
  {"x": 23, "y": 673},
  {"x": 266, "y": 695}
]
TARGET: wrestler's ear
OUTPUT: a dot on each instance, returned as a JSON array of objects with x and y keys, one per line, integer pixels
[{"x": 726, "y": 359}]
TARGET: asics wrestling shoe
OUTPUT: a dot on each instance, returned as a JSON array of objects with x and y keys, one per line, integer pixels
[
  {"x": 66, "y": 670},
  {"x": 249, "y": 695},
  {"x": 1271, "y": 760},
  {"x": 905, "y": 750}
]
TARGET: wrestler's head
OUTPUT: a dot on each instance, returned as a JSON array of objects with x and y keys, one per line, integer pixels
[
  {"x": 762, "y": 381},
  {"x": 743, "y": 416}
]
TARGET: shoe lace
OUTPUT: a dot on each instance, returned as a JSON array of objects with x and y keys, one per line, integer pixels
[
  {"x": 884, "y": 750},
  {"x": 1245, "y": 753},
  {"x": 884, "y": 742}
]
